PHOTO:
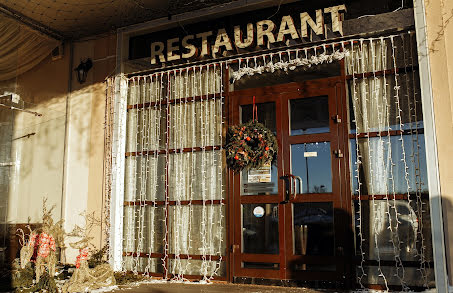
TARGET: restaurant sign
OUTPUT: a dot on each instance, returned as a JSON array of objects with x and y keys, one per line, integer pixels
[{"x": 301, "y": 27}]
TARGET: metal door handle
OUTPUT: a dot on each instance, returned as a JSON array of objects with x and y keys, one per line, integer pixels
[
  {"x": 288, "y": 187},
  {"x": 300, "y": 185},
  {"x": 291, "y": 186}
]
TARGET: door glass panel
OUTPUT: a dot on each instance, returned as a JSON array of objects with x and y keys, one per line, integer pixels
[
  {"x": 313, "y": 228},
  {"x": 311, "y": 161},
  {"x": 263, "y": 181},
  {"x": 266, "y": 115},
  {"x": 260, "y": 228},
  {"x": 309, "y": 115}
]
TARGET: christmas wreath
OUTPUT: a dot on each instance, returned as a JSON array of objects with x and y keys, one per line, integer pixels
[{"x": 250, "y": 145}]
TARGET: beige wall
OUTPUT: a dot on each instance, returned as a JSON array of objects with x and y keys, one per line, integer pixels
[
  {"x": 439, "y": 19},
  {"x": 85, "y": 151},
  {"x": 38, "y": 159},
  {"x": 42, "y": 157}
]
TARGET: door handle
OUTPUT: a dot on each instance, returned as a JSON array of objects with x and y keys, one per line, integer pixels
[
  {"x": 291, "y": 186},
  {"x": 288, "y": 178},
  {"x": 338, "y": 153},
  {"x": 300, "y": 185}
]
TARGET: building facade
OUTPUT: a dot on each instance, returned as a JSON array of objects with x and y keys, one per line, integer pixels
[{"x": 356, "y": 94}]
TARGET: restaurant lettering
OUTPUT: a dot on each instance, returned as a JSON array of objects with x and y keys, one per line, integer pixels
[{"x": 213, "y": 43}]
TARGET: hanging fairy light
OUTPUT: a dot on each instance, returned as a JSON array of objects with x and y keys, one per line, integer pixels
[
  {"x": 291, "y": 64},
  {"x": 375, "y": 100},
  {"x": 358, "y": 163},
  {"x": 416, "y": 153},
  {"x": 189, "y": 123},
  {"x": 196, "y": 125}
]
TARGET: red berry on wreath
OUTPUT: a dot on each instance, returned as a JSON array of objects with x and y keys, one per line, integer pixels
[
  {"x": 236, "y": 157},
  {"x": 248, "y": 138},
  {"x": 267, "y": 148}
]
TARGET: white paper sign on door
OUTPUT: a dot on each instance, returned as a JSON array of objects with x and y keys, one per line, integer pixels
[
  {"x": 259, "y": 175},
  {"x": 310, "y": 154}
]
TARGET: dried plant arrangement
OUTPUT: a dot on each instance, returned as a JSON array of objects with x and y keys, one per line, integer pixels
[
  {"x": 84, "y": 277},
  {"x": 38, "y": 254},
  {"x": 51, "y": 237},
  {"x": 34, "y": 270}
]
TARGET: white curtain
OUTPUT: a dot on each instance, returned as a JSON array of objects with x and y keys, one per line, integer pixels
[
  {"x": 173, "y": 124},
  {"x": 381, "y": 103},
  {"x": 385, "y": 100},
  {"x": 21, "y": 48}
]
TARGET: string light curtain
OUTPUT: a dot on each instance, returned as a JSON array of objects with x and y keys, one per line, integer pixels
[
  {"x": 388, "y": 163},
  {"x": 289, "y": 60},
  {"x": 174, "y": 182}
]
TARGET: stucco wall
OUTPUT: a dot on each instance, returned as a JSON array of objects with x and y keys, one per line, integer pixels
[
  {"x": 72, "y": 178},
  {"x": 85, "y": 147},
  {"x": 38, "y": 159},
  {"x": 439, "y": 19}
]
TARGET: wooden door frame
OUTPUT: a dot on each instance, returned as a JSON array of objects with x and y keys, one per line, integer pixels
[
  {"x": 338, "y": 197},
  {"x": 337, "y": 86},
  {"x": 271, "y": 199}
]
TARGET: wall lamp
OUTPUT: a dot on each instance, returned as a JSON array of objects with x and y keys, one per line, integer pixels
[{"x": 82, "y": 70}]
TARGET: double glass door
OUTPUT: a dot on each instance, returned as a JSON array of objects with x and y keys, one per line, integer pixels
[{"x": 292, "y": 218}]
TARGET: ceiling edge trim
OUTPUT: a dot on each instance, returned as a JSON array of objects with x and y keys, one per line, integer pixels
[
  {"x": 209, "y": 12},
  {"x": 34, "y": 25}
]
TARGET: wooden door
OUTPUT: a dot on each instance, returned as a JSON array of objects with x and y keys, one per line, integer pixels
[{"x": 294, "y": 221}]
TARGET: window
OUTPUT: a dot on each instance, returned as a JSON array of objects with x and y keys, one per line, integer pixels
[
  {"x": 388, "y": 168},
  {"x": 174, "y": 180}
]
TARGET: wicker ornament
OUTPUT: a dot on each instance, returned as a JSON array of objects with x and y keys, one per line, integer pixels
[
  {"x": 250, "y": 146},
  {"x": 45, "y": 240},
  {"x": 28, "y": 246},
  {"x": 84, "y": 278}
]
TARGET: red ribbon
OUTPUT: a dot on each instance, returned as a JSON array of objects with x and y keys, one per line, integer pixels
[
  {"x": 83, "y": 255},
  {"x": 254, "y": 110}
]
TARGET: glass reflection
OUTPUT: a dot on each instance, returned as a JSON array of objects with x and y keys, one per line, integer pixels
[
  {"x": 312, "y": 162},
  {"x": 260, "y": 228},
  {"x": 313, "y": 228},
  {"x": 377, "y": 217},
  {"x": 266, "y": 115},
  {"x": 309, "y": 115},
  {"x": 267, "y": 182}
]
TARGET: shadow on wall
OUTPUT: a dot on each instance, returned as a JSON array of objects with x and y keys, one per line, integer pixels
[
  {"x": 447, "y": 212},
  {"x": 32, "y": 150},
  {"x": 86, "y": 118}
]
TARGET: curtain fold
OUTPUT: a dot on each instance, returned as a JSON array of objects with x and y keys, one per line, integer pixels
[
  {"x": 21, "y": 48},
  {"x": 371, "y": 110}
]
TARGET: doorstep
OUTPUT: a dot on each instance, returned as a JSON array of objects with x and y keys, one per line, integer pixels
[{"x": 213, "y": 288}]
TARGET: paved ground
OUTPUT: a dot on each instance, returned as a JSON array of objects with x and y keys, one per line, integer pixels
[{"x": 213, "y": 288}]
